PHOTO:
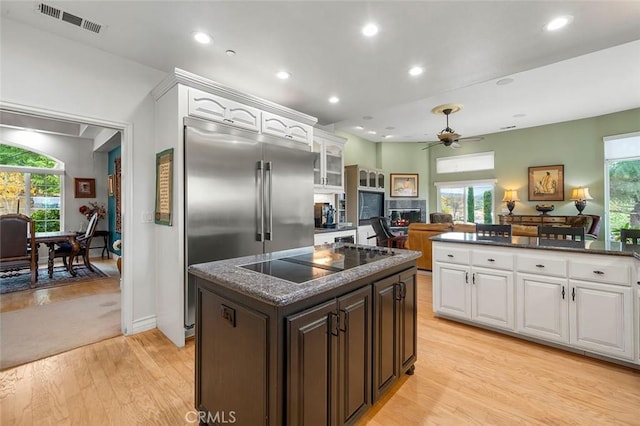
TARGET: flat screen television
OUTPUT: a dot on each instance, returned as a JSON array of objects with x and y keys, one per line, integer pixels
[{"x": 370, "y": 204}]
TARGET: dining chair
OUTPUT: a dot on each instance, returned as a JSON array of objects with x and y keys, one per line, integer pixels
[
  {"x": 384, "y": 235},
  {"x": 18, "y": 248},
  {"x": 64, "y": 250},
  {"x": 561, "y": 236},
  {"x": 630, "y": 237},
  {"x": 493, "y": 231}
]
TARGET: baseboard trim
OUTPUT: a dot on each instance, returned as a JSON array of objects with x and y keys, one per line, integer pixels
[{"x": 143, "y": 324}]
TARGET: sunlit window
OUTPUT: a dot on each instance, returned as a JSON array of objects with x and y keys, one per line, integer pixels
[{"x": 467, "y": 201}]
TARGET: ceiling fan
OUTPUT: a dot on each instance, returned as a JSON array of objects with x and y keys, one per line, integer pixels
[{"x": 448, "y": 136}]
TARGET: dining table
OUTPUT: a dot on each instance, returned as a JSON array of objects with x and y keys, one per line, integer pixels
[{"x": 57, "y": 237}]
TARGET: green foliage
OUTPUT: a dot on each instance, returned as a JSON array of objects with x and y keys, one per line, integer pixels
[
  {"x": 470, "y": 205},
  {"x": 13, "y": 156},
  {"x": 487, "y": 202},
  {"x": 46, "y": 220}
]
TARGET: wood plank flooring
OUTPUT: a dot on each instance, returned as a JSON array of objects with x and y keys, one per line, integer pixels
[{"x": 464, "y": 375}]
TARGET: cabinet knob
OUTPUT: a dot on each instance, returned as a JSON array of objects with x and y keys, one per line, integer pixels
[
  {"x": 491, "y": 260},
  {"x": 539, "y": 265},
  {"x": 449, "y": 255},
  {"x": 228, "y": 120},
  {"x": 598, "y": 272}
]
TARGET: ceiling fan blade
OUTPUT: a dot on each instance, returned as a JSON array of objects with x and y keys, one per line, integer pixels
[
  {"x": 471, "y": 139},
  {"x": 431, "y": 145}
]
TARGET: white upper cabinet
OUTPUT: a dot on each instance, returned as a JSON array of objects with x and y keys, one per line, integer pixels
[
  {"x": 212, "y": 107},
  {"x": 371, "y": 179},
  {"x": 276, "y": 125},
  {"x": 328, "y": 162}
]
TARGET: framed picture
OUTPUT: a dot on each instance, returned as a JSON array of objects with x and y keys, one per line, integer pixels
[
  {"x": 546, "y": 183},
  {"x": 111, "y": 185},
  {"x": 404, "y": 185},
  {"x": 85, "y": 188},
  {"x": 164, "y": 187}
]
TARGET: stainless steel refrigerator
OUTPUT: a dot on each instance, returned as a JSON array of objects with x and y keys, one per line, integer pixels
[{"x": 245, "y": 193}]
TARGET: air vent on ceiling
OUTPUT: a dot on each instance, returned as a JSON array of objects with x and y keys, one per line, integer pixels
[{"x": 70, "y": 18}]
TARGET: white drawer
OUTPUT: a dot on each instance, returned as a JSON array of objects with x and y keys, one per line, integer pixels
[
  {"x": 452, "y": 255},
  {"x": 610, "y": 269},
  {"x": 492, "y": 259},
  {"x": 542, "y": 265}
]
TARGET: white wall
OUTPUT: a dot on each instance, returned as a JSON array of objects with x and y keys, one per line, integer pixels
[{"x": 43, "y": 71}]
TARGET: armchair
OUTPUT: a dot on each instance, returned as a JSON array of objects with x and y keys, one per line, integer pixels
[
  {"x": 384, "y": 236},
  {"x": 18, "y": 248},
  {"x": 65, "y": 249}
]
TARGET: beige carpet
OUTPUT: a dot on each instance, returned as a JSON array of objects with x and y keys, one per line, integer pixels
[{"x": 37, "y": 332}]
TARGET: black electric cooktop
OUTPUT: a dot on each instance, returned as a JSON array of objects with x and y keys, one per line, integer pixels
[{"x": 321, "y": 262}]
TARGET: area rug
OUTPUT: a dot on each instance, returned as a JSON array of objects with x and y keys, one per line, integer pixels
[
  {"x": 40, "y": 331},
  {"x": 60, "y": 277}
]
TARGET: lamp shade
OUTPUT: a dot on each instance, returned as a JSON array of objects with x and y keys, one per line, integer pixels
[
  {"x": 510, "y": 195},
  {"x": 580, "y": 193}
]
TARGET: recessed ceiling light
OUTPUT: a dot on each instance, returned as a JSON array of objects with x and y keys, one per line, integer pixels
[
  {"x": 372, "y": 132},
  {"x": 201, "y": 37},
  {"x": 283, "y": 75},
  {"x": 359, "y": 128},
  {"x": 334, "y": 99},
  {"x": 416, "y": 71},
  {"x": 505, "y": 81},
  {"x": 367, "y": 117},
  {"x": 230, "y": 52},
  {"x": 389, "y": 127},
  {"x": 387, "y": 136},
  {"x": 370, "y": 30},
  {"x": 559, "y": 22}
]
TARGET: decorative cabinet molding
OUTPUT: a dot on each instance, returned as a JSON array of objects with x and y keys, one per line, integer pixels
[
  {"x": 216, "y": 108},
  {"x": 583, "y": 301},
  {"x": 276, "y": 125},
  {"x": 328, "y": 163},
  {"x": 371, "y": 179}
]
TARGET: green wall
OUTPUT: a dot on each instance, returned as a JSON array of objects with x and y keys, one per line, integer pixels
[{"x": 575, "y": 144}]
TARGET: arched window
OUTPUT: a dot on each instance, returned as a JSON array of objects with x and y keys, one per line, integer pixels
[{"x": 30, "y": 183}]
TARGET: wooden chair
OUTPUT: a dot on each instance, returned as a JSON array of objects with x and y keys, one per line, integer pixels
[
  {"x": 65, "y": 249},
  {"x": 18, "y": 248},
  {"x": 630, "y": 238},
  {"x": 561, "y": 236},
  {"x": 494, "y": 232},
  {"x": 384, "y": 236}
]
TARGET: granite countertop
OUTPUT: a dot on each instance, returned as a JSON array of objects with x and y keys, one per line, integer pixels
[
  {"x": 590, "y": 246},
  {"x": 336, "y": 229},
  {"x": 279, "y": 292}
]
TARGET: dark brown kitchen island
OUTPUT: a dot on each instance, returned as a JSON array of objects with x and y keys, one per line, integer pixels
[{"x": 302, "y": 337}]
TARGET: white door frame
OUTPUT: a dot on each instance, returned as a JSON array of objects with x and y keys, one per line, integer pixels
[{"x": 126, "y": 146}]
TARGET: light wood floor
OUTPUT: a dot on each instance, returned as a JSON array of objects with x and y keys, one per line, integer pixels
[{"x": 464, "y": 375}]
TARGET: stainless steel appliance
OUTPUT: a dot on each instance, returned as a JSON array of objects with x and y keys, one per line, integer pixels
[{"x": 245, "y": 193}]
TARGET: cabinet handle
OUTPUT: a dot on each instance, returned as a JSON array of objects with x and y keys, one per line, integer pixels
[
  {"x": 288, "y": 136},
  {"x": 473, "y": 278},
  {"x": 333, "y": 323},
  {"x": 573, "y": 294},
  {"x": 228, "y": 120},
  {"x": 598, "y": 272},
  {"x": 450, "y": 255},
  {"x": 491, "y": 260},
  {"x": 344, "y": 319},
  {"x": 539, "y": 265},
  {"x": 403, "y": 289},
  {"x": 562, "y": 292},
  {"x": 466, "y": 277}
]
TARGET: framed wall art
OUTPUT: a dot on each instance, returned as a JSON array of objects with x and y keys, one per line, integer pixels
[
  {"x": 546, "y": 183},
  {"x": 164, "y": 187},
  {"x": 404, "y": 185},
  {"x": 84, "y": 188},
  {"x": 111, "y": 185}
]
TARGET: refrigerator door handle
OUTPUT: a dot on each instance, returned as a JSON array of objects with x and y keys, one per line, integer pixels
[
  {"x": 259, "y": 201},
  {"x": 268, "y": 187}
]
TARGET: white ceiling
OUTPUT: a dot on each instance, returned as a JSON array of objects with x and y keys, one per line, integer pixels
[{"x": 591, "y": 67}]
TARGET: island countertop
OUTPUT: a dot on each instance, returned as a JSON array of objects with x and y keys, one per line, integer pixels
[
  {"x": 590, "y": 246},
  {"x": 275, "y": 291}
]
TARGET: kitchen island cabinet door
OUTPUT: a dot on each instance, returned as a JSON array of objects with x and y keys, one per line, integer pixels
[
  {"x": 231, "y": 348},
  {"x": 408, "y": 320},
  {"x": 492, "y": 297},
  {"x": 542, "y": 308},
  {"x": 312, "y": 353}
]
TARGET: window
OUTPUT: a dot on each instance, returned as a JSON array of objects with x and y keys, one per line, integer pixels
[
  {"x": 467, "y": 201},
  {"x": 30, "y": 183},
  {"x": 465, "y": 163},
  {"x": 622, "y": 183}
]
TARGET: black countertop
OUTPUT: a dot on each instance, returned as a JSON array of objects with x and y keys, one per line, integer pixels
[{"x": 589, "y": 246}]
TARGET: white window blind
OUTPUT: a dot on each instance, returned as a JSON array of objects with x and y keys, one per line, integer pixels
[
  {"x": 622, "y": 146},
  {"x": 465, "y": 163}
]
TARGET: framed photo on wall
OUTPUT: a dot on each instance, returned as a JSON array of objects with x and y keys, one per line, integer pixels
[
  {"x": 546, "y": 183},
  {"x": 84, "y": 188},
  {"x": 404, "y": 185}
]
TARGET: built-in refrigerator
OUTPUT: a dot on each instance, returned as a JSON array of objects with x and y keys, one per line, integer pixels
[{"x": 245, "y": 193}]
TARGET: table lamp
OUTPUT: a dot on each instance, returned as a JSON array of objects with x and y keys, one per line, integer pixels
[
  {"x": 511, "y": 196},
  {"x": 580, "y": 195}
]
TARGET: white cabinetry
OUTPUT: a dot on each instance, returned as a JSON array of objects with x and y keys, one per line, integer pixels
[
  {"x": 584, "y": 301},
  {"x": 330, "y": 237},
  {"x": 370, "y": 179},
  {"x": 366, "y": 235},
  {"x": 216, "y": 108},
  {"x": 328, "y": 162},
  {"x": 474, "y": 285},
  {"x": 277, "y": 125}
]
